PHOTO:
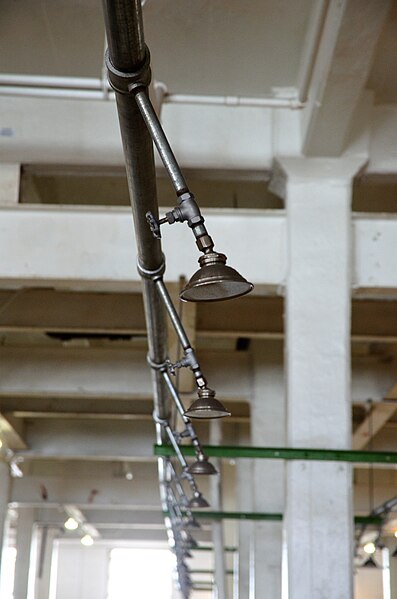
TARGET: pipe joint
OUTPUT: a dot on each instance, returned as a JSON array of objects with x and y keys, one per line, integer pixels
[
  {"x": 127, "y": 83},
  {"x": 155, "y": 274},
  {"x": 189, "y": 360},
  {"x": 161, "y": 421},
  {"x": 160, "y": 366}
]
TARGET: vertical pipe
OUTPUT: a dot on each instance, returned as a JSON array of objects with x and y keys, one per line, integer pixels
[{"x": 124, "y": 29}]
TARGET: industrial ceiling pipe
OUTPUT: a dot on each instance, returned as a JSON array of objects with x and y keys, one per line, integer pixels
[
  {"x": 127, "y": 51},
  {"x": 127, "y": 60}
]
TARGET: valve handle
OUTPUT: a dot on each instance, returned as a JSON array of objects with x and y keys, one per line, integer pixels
[{"x": 153, "y": 224}]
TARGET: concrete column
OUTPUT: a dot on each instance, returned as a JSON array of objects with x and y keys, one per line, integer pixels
[
  {"x": 217, "y": 526},
  {"x": 44, "y": 562},
  {"x": 9, "y": 184},
  {"x": 318, "y": 521},
  {"x": 5, "y": 484},
  {"x": 392, "y": 546},
  {"x": 23, "y": 544},
  {"x": 267, "y": 429},
  {"x": 245, "y": 530}
]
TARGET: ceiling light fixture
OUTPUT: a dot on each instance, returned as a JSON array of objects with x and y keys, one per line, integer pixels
[
  {"x": 202, "y": 466},
  {"x": 198, "y": 501},
  {"x": 206, "y": 406},
  {"x": 71, "y": 524},
  {"x": 87, "y": 540},
  {"x": 369, "y": 548}
]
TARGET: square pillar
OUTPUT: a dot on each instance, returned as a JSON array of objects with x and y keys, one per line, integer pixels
[
  {"x": 318, "y": 521},
  {"x": 10, "y": 175},
  {"x": 267, "y": 429},
  {"x": 23, "y": 544},
  {"x": 5, "y": 485},
  {"x": 245, "y": 530}
]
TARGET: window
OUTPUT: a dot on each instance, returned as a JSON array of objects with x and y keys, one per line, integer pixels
[{"x": 140, "y": 573}]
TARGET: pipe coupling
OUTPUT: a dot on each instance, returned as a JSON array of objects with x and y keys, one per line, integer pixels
[
  {"x": 125, "y": 83},
  {"x": 155, "y": 274}
]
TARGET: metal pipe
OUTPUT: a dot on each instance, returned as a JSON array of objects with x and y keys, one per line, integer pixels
[
  {"x": 176, "y": 447},
  {"x": 161, "y": 142},
  {"x": 181, "y": 333},
  {"x": 123, "y": 20},
  {"x": 287, "y": 453},
  {"x": 173, "y": 314},
  {"x": 63, "y": 94},
  {"x": 181, "y": 409},
  {"x": 233, "y": 101},
  {"x": 97, "y": 92},
  {"x": 124, "y": 32},
  {"x": 78, "y": 83}
]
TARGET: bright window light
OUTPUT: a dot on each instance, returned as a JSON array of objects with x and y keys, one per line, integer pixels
[
  {"x": 140, "y": 573},
  {"x": 7, "y": 572}
]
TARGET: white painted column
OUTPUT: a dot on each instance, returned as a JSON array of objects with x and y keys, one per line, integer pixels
[
  {"x": 10, "y": 175},
  {"x": 5, "y": 484},
  {"x": 318, "y": 516},
  {"x": 393, "y": 576},
  {"x": 217, "y": 526},
  {"x": 392, "y": 546},
  {"x": 267, "y": 429},
  {"x": 245, "y": 529},
  {"x": 44, "y": 562},
  {"x": 23, "y": 544}
]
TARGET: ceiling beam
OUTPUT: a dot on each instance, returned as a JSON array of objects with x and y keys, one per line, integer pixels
[
  {"x": 351, "y": 31},
  {"x": 12, "y": 432},
  {"x": 94, "y": 372},
  {"x": 82, "y": 439},
  {"x": 92, "y": 248},
  {"x": 72, "y": 314},
  {"x": 90, "y": 492},
  {"x": 378, "y": 416}
]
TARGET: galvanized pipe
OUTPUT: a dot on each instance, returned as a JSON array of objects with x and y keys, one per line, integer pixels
[
  {"x": 180, "y": 407},
  {"x": 161, "y": 142},
  {"x": 124, "y": 29},
  {"x": 128, "y": 65}
]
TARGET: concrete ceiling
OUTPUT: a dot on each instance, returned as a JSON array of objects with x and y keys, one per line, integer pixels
[{"x": 197, "y": 46}]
